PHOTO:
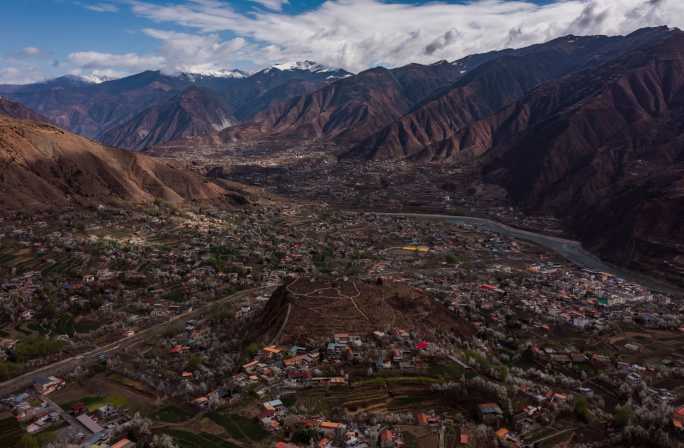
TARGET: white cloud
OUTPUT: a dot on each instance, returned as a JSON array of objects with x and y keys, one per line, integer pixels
[
  {"x": 101, "y": 7},
  {"x": 22, "y": 66},
  {"x": 357, "y": 34},
  {"x": 98, "y": 75},
  {"x": 19, "y": 74},
  {"x": 183, "y": 52},
  {"x": 94, "y": 60},
  {"x": 31, "y": 51},
  {"x": 210, "y": 35},
  {"x": 275, "y": 5}
]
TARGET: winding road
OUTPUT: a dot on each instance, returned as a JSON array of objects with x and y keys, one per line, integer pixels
[{"x": 90, "y": 357}]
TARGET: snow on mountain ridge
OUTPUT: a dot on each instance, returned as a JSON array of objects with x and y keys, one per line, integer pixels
[
  {"x": 309, "y": 66},
  {"x": 96, "y": 79},
  {"x": 217, "y": 73}
]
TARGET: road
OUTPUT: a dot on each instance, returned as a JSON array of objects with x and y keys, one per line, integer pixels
[
  {"x": 551, "y": 436},
  {"x": 568, "y": 249},
  {"x": 65, "y": 365}
]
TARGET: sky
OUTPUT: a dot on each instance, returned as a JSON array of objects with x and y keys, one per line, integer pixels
[{"x": 42, "y": 39}]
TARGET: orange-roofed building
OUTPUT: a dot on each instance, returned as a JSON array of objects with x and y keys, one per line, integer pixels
[
  {"x": 502, "y": 433},
  {"x": 422, "y": 419},
  {"x": 250, "y": 365},
  {"x": 330, "y": 425},
  {"x": 124, "y": 443},
  {"x": 285, "y": 445},
  {"x": 386, "y": 436}
]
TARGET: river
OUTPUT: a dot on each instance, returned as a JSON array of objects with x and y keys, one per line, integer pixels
[{"x": 568, "y": 249}]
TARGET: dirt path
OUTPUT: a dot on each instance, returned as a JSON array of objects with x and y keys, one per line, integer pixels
[{"x": 283, "y": 326}]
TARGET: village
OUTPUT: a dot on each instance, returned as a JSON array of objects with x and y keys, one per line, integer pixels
[{"x": 295, "y": 325}]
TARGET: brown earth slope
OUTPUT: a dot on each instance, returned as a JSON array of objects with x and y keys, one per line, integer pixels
[
  {"x": 17, "y": 110},
  {"x": 309, "y": 312},
  {"x": 44, "y": 166}
]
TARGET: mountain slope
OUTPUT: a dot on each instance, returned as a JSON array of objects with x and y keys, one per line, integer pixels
[
  {"x": 194, "y": 112},
  {"x": 604, "y": 149},
  {"x": 501, "y": 79},
  {"x": 16, "y": 110},
  {"x": 350, "y": 108},
  {"x": 360, "y": 103},
  {"x": 88, "y": 108},
  {"x": 44, "y": 166}
]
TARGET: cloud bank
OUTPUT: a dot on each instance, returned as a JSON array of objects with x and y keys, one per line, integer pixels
[
  {"x": 198, "y": 35},
  {"x": 357, "y": 34}
]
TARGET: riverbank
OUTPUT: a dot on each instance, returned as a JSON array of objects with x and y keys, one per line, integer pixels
[{"x": 571, "y": 250}]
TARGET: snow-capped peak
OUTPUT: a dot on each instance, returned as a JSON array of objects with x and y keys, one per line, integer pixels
[
  {"x": 216, "y": 73},
  {"x": 308, "y": 66},
  {"x": 96, "y": 79}
]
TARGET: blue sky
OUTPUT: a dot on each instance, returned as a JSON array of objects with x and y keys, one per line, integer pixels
[{"x": 46, "y": 38}]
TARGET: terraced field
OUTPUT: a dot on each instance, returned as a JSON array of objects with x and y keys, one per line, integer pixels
[
  {"x": 186, "y": 439},
  {"x": 239, "y": 428},
  {"x": 392, "y": 394}
]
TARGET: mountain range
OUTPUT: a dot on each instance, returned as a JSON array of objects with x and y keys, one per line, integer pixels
[
  {"x": 588, "y": 128},
  {"x": 152, "y": 107}
]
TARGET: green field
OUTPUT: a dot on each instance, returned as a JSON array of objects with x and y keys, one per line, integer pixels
[
  {"x": 10, "y": 432},
  {"x": 93, "y": 403},
  {"x": 239, "y": 428},
  {"x": 186, "y": 439},
  {"x": 173, "y": 414}
]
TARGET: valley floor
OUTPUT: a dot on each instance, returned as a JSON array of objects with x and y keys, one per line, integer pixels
[{"x": 295, "y": 321}]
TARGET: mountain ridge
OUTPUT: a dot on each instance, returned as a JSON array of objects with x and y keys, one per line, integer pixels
[{"x": 42, "y": 166}]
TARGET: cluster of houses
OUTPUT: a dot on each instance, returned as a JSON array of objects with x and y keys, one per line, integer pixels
[
  {"x": 79, "y": 425},
  {"x": 35, "y": 415}
]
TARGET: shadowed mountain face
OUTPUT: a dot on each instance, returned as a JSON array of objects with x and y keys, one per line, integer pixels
[
  {"x": 17, "y": 110},
  {"x": 502, "y": 79},
  {"x": 43, "y": 166},
  {"x": 195, "y": 111},
  {"x": 604, "y": 149},
  {"x": 87, "y": 108}
]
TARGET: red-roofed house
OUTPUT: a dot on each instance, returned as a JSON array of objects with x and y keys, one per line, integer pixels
[{"x": 678, "y": 418}]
